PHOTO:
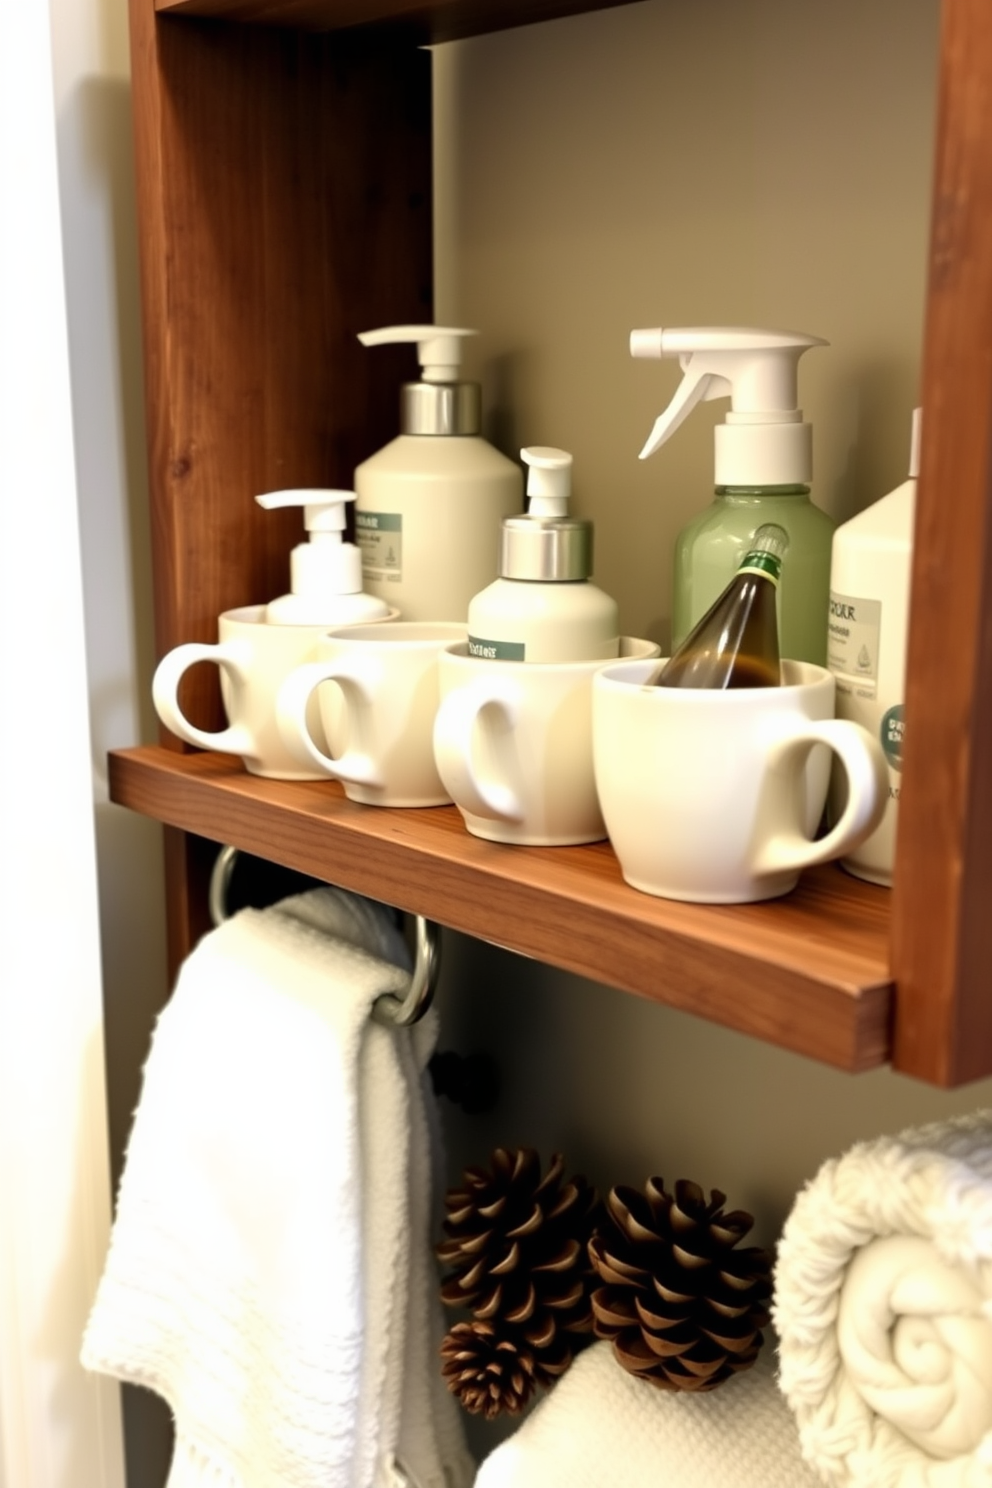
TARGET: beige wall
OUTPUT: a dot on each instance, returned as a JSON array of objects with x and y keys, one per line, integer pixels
[
  {"x": 748, "y": 162},
  {"x": 725, "y": 161}
]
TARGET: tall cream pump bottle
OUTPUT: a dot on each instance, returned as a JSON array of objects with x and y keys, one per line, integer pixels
[
  {"x": 325, "y": 572},
  {"x": 542, "y": 607},
  {"x": 431, "y": 501},
  {"x": 869, "y": 621}
]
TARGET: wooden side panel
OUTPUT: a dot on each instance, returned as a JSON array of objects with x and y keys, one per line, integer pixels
[
  {"x": 285, "y": 205},
  {"x": 284, "y": 200},
  {"x": 942, "y": 911}
]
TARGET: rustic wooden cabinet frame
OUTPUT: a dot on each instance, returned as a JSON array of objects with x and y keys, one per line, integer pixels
[{"x": 284, "y": 197}]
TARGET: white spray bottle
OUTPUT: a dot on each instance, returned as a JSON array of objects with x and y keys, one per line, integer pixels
[
  {"x": 431, "y": 501},
  {"x": 763, "y": 466},
  {"x": 325, "y": 572},
  {"x": 869, "y": 623}
]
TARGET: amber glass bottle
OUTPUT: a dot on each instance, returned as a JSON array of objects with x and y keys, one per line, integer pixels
[{"x": 735, "y": 644}]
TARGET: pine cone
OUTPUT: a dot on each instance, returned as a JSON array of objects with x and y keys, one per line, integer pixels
[
  {"x": 518, "y": 1249},
  {"x": 683, "y": 1307},
  {"x": 490, "y": 1373}
]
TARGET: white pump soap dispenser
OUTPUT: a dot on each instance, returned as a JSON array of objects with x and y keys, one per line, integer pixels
[
  {"x": 763, "y": 466},
  {"x": 542, "y": 607},
  {"x": 325, "y": 572},
  {"x": 431, "y": 501}
]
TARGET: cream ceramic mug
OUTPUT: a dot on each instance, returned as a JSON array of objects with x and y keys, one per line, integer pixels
[
  {"x": 513, "y": 744},
  {"x": 713, "y": 796},
  {"x": 379, "y": 717},
  {"x": 254, "y": 659}
]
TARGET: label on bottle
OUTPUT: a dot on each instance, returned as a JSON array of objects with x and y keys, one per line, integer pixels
[
  {"x": 496, "y": 650},
  {"x": 853, "y": 633},
  {"x": 760, "y": 562},
  {"x": 891, "y": 735},
  {"x": 379, "y": 535}
]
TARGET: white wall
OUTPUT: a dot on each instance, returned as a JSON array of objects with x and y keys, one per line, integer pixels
[
  {"x": 59, "y": 1428},
  {"x": 91, "y": 69}
]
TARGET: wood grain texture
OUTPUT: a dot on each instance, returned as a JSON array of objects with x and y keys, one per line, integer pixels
[
  {"x": 421, "y": 21},
  {"x": 942, "y": 920},
  {"x": 284, "y": 205},
  {"x": 808, "y": 972}
]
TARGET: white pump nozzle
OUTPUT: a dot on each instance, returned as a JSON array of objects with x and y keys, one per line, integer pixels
[
  {"x": 439, "y": 348},
  {"x": 322, "y": 568},
  {"x": 764, "y": 440},
  {"x": 323, "y": 511},
  {"x": 549, "y": 480}
]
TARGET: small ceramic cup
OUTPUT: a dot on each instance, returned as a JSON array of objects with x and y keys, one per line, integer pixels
[
  {"x": 254, "y": 659},
  {"x": 714, "y": 796},
  {"x": 378, "y": 718},
  {"x": 513, "y": 745}
]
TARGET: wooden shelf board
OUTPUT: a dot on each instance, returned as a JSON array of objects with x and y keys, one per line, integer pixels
[
  {"x": 809, "y": 972},
  {"x": 422, "y": 21}
]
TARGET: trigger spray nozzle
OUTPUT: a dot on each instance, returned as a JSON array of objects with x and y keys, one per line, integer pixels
[{"x": 763, "y": 440}]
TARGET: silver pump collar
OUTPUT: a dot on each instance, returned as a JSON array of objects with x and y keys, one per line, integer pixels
[
  {"x": 549, "y": 550},
  {"x": 440, "y": 408}
]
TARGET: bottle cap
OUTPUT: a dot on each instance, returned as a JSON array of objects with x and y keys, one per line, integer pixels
[
  {"x": 546, "y": 545},
  {"x": 765, "y": 551},
  {"x": 439, "y": 403}
]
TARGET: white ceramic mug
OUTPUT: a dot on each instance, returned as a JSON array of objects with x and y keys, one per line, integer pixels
[
  {"x": 513, "y": 744},
  {"x": 254, "y": 659},
  {"x": 378, "y": 720},
  {"x": 714, "y": 796}
]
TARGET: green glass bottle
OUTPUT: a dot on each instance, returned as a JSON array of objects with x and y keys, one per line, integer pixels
[
  {"x": 709, "y": 549},
  {"x": 736, "y": 642}
]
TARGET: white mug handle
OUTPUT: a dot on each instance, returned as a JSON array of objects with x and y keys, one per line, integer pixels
[
  {"x": 453, "y": 752},
  {"x": 357, "y": 682},
  {"x": 235, "y": 657},
  {"x": 867, "y": 789}
]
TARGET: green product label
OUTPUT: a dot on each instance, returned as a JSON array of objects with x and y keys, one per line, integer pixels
[
  {"x": 380, "y": 537},
  {"x": 496, "y": 650},
  {"x": 890, "y": 733},
  {"x": 762, "y": 563}
]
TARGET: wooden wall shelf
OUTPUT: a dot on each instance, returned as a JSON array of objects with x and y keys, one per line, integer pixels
[
  {"x": 284, "y": 204},
  {"x": 808, "y": 972}
]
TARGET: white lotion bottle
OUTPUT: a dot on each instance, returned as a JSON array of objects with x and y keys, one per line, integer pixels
[
  {"x": 869, "y": 620},
  {"x": 325, "y": 571},
  {"x": 431, "y": 501},
  {"x": 542, "y": 606}
]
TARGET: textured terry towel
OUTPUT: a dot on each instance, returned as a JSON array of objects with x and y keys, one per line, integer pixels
[
  {"x": 883, "y": 1300},
  {"x": 270, "y": 1272},
  {"x": 602, "y": 1428}
]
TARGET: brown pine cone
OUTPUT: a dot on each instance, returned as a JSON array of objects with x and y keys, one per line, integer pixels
[
  {"x": 490, "y": 1373},
  {"x": 518, "y": 1249},
  {"x": 683, "y": 1307}
]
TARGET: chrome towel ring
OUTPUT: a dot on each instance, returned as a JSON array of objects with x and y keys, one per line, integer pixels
[{"x": 387, "y": 1008}]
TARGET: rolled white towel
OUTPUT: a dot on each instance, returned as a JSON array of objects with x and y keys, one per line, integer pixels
[
  {"x": 601, "y": 1427},
  {"x": 883, "y": 1304}
]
